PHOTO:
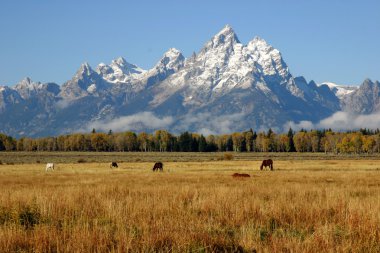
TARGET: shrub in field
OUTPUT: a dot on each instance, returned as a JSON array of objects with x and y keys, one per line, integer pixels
[
  {"x": 228, "y": 157},
  {"x": 29, "y": 216},
  {"x": 5, "y": 215},
  {"x": 81, "y": 160}
]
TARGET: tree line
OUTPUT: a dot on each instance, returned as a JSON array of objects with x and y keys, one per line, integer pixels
[{"x": 361, "y": 141}]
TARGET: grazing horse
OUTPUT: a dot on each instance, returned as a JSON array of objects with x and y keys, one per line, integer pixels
[
  {"x": 267, "y": 163},
  {"x": 49, "y": 166},
  {"x": 240, "y": 175},
  {"x": 158, "y": 166},
  {"x": 113, "y": 164}
]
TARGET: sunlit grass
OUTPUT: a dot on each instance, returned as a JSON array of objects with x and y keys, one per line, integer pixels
[{"x": 302, "y": 206}]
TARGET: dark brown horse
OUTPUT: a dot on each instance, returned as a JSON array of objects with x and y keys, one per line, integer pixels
[
  {"x": 267, "y": 163},
  {"x": 240, "y": 175},
  {"x": 113, "y": 165},
  {"x": 158, "y": 166}
]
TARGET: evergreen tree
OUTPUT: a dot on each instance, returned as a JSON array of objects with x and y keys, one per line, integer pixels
[
  {"x": 185, "y": 142},
  {"x": 202, "y": 147},
  {"x": 290, "y": 147},
  {"x": 194, "y": 144},
  {"x": 2, "y": 138},
  {"x": 243, "y": 147},
  {"x": 254, "y": 135},
  {"x": 212, "y": 147},
  {"x": 229, "y": 144},
  {"x": 270, "y": 132}
]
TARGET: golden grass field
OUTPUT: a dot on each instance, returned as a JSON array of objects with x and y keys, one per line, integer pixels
[{"x": 302, "y": 206}]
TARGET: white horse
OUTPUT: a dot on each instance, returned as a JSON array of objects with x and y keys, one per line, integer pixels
[{"x": 49, "y": 166}]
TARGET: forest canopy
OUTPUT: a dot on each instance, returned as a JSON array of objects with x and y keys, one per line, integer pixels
[{"x": 361, "y": 141}]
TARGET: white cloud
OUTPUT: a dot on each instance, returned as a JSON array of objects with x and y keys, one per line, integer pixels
[
  {"x": 139, "y": 121},
  {"x": 206, "y": 123},
  {"x": 340, "y": 121},
  {"x": 62, "y": 104},
  {"x": 304, "y": 124},
  {"x": 206, "y": 131},
  {"x": 346, "y": 121}
]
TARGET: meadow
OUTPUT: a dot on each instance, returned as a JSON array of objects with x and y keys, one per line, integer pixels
[{"x": 310, "y": 203}]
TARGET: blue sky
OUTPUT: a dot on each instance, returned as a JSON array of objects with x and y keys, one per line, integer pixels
[{"x": 47, "y": 40}]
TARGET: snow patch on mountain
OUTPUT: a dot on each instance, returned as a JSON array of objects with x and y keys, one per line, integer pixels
[
  {"x": 340, "y": 90},
  {"x": 225, "y": 64},
  {"x": 120, "y": 71},
  {"x": 91, "y": 88}
]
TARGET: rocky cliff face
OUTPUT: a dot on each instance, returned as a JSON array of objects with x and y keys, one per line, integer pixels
[{"x": 364, "y": 100}]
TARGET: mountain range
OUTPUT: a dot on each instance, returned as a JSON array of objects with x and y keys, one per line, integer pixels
[{"x": 227, "y": 86}]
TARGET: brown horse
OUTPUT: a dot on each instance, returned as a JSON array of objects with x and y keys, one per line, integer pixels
[
  {"x": 267, "y": 163},
  {"x": 113, "y": 165},
  {"x": 158, "y": 166},
  {"x": 240, "y": 175}
]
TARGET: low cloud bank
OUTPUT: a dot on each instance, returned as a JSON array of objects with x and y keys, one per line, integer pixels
[
  {"x": 135, "y": 122},
  {"x": 339, "y": 121},
  {"x": 206, "y": 123},
  {"x": 203, "y": 123}
]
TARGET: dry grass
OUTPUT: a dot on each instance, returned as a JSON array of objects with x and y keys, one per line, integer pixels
[
  {"x": 302, "y": 206},
  {"x": 102, "y": 157}
]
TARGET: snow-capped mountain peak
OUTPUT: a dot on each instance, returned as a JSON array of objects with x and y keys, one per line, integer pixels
[
  {"x": 26, "y": 83},
  {"x": 26, "y": 87},
  {"x": 171, "y": 62},
  {"x": 172, "y": 53},
  {"x": 226, "y": 31},
  {"x": 122, "y": 67},
  {"x": 172, "y": 59},
  {"x": 330, "y": 85},
  {"x": 364, "y": 99},
  {"x": 84, "y": 70},
  {"x": 269, "y": 58},
  {"x": 120, "y": 61},
  {"x": 227, "y": 86},
  {"x": 225, "y": 38},
  {"x": 259, "y": 44},
  {"x": 78, "y": 85},
  {"x": 119, "y": 71},
  {"x": 340, "y": 90},
  {"x": 224, "y": 65}
]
